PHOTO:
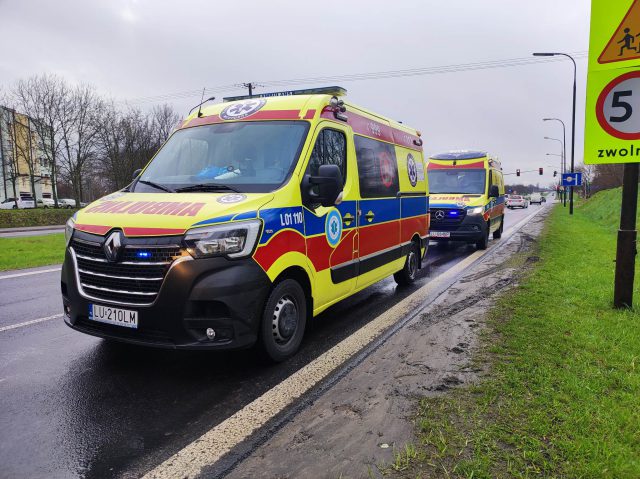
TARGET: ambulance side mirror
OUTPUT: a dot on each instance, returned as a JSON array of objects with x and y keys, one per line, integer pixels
[
  {"x": 136, "y": 173},
  {"x": 324, "y": 188},
  {"x": 494, "y": 191}
]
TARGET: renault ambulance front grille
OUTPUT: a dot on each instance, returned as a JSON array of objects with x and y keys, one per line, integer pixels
[{"x": 132, "y": 279}]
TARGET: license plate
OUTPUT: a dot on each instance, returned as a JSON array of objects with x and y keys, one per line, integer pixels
[
  {"x": 116, "y": 316},
  {"x": 439, "y": 234}
]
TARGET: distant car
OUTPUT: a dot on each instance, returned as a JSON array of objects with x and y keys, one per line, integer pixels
[
  {"x": 23, "y": 203},
  {"x": 83, "y": 204},
  {"x": 517, "y": 201},
  {"x": 66, "y": 203},
  {"x": 45, "y": 203},
  {"x": 536, "y": 198}
]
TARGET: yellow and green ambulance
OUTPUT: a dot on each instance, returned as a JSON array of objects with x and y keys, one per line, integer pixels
[
  {"x": 256, "y": 215},
  {"x": 467, "y": 197}
]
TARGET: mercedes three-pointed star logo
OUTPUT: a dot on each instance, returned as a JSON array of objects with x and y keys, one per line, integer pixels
[{"x": 439, "y": 214}]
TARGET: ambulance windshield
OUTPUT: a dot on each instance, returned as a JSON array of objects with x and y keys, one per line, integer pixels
[
  {"x": 241, "y": 156},
  {"x": 450, "y": 180}
]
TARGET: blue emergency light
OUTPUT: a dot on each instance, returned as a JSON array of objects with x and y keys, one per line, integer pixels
[
  {"x": 143, "y": 254},
  {"x": 454, "y": 213}
]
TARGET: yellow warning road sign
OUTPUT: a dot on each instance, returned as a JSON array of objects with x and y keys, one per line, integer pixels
[
  {"x": 625, "y": 41},
  {"x": 612, "y": 119}
]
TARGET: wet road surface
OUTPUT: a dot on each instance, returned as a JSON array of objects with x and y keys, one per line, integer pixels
[{"x": 73, "y": 405}]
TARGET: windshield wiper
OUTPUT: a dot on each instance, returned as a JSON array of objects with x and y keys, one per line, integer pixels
[
  {"x": 156, "y": 186},
  {"x": 206, "y": 187}
]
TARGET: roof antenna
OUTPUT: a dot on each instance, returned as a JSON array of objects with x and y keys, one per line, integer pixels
[
  {"x": 201, "y": 102},
  {"x": 199, "y": 105}
]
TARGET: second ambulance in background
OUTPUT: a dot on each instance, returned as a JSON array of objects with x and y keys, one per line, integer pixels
[{"x": 467, "y": 197}]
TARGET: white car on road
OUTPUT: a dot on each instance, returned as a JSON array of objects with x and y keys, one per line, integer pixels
[
  {"x": 517, "y": 201},
  {"x": 10, "y": 203},
  {"x": 536, "y": 198}
]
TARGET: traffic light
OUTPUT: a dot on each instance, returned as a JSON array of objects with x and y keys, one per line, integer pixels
[
  {"x": 540, "y": 171},
  {"x": 518, "y": 172},
  {"x": 555, "y": 173}
]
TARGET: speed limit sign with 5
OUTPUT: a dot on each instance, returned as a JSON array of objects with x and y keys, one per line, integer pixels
[{"x": 612, "y": 122}]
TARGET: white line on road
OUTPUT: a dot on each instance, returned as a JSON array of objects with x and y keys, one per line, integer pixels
[
  {"x": 218, "y": 441},
  {"x": 28, "y": 323},
  {"x": 17, "y": 275}
]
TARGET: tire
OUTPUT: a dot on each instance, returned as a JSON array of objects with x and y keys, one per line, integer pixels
[
  {"x": 407, "y": 275},
  {"x": 484, "y": 242},
  {"x": 497, "y": 234},
  {"x": 14, "y": 207},
  {"x": 283, "y": 321}
]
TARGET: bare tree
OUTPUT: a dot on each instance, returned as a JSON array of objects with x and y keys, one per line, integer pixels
[
  {"x": 164, "y": 121},
  {"x": 42, "y": 99},
  {"x": 78, "y": 135},
  {"x": 607, "y": 176},
  {"x": 127, "y": 140}
]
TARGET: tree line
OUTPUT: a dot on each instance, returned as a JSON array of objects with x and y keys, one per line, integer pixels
[{"x": 92, "y": 145}]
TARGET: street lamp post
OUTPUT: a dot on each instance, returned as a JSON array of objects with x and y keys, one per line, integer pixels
[
  {"x": 573, "y": 116},
  {"x": 563, "y": 164},
  {"x": 564, "y": 149},
  {"x": 561, "y": 168}
]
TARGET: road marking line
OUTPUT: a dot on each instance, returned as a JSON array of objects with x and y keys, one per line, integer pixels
[
  {"x": 221, "y": 439},
  {"x": 27, "y": 323},
  {"x": 17, "y": 275}
]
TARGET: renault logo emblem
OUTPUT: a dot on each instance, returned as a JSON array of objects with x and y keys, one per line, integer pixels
[
  {"x": 439, "y": 214},
  {"x": 112, "y": 246}
]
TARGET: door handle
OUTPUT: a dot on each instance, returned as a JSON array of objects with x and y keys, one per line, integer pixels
[
  {"x": 369, "y": 216},
  {"x": 347, "y": 219}
]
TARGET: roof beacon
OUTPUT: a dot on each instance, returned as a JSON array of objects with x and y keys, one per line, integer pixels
[{"x": 328, "y": 90}]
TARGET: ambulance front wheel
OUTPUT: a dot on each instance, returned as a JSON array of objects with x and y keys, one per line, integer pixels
[
  {"x": 484, "y": 242},
  {"x": 408, "y": 273},
  {"x": 497, "y": 234},
  {"x": 283, "y": 321}
]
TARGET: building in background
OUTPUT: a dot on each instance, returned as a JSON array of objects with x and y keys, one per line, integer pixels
[{"x": 24, "y": 166}]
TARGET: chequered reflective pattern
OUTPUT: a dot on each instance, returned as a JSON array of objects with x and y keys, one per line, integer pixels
[{"x": 135, "y": 278}]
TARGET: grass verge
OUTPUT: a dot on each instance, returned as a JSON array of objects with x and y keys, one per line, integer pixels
[
  {"x": 34, "y": 217},
  {"x": 31, "y": 251},
  {"x": 563, "y": 395}
]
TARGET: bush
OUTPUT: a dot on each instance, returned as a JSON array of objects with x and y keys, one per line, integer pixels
[{"x": 34, "y": 217}]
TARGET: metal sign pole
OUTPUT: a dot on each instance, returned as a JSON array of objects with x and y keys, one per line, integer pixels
[{"x": 626, "y": 250}]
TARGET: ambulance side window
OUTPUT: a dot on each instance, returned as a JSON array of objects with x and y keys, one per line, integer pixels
[
  {"x": 330, "y": 149},
  {"x": 377, "y": 168}
]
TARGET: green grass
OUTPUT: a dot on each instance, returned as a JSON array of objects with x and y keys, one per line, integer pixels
[
  {"x": 31, "y": 251},
  {"x": 563, "y": 395},
  {"x": 34, "y": 217}
]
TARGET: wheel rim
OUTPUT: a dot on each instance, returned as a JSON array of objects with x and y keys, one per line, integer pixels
[
  {"x": 285, "y": 320},
  {"x": 412, "y": 264}
]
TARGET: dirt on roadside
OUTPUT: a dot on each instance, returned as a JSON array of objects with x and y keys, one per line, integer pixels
[{"x": 354, "y": 428}]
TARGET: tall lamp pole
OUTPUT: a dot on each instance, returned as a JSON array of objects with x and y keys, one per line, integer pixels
[
  {"x": 563, "y": 163},
  {"x": 573, "y": 116},
  {"x": 564, "y": 148}
]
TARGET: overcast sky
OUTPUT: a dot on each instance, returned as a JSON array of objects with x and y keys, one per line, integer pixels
[{"x": 133, "y": 49}]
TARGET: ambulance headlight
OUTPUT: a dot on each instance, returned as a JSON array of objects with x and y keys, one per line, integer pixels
[
  {"x": 68, "y": 230},
  {"x": 235, "y": 240},
  {"x": 478, "y": 210}
]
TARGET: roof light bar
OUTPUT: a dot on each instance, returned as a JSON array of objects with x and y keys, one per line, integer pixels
[{"x": 328, "y": 90}]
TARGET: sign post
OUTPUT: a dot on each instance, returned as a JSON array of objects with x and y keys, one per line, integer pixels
[{"x": 612, "y": 119}]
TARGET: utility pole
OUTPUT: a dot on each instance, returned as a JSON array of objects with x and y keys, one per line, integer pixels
[
  {"x": 250, "y": 86},
  {"x": 626, "y": 250}
]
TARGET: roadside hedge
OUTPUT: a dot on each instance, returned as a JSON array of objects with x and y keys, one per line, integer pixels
[{"x": 34, "y": 217}]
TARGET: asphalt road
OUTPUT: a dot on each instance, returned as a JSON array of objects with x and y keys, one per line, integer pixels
[{"x": 73, "y": 405}]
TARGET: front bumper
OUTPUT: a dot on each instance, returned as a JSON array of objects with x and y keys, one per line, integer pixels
[
  {"x": 226, "y": 295},
  {"x": 472, "y": 228}
]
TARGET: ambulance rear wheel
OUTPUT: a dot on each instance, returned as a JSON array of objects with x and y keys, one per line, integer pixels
[
  {"x": 484, "y": 242},
  {"x": 407, "y": 275},
  {"x": 283, "y": 321}
]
